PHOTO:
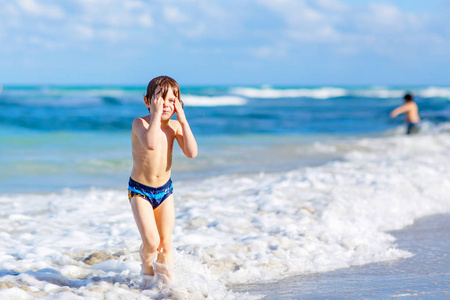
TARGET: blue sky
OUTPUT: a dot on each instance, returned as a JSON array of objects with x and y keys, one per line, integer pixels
[{"x": 238, "y": 42}]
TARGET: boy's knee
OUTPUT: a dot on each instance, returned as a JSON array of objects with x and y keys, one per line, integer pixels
[
  {"x": 151, "y": 245},
  {"x": 165, "y": 245}
]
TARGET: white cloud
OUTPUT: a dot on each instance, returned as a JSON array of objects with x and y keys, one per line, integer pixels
[
  {"x": 324, "y": 34},
  {"x": 111, "y": 14},
  {"x": 45, "y": 23},
  {"x": 264, "y": 52},
  {"x": 303, "y": 22},
  {"x": 293, "y": 13},
  {"x": 9, "y": 9},
  {"x": 112, "y": 35},
  {"x": 388, "y": 18},
  {"x": 35, "y": 9},
  {"x": 334, "y": 5},
  {"x": 83, "y": 32},
  {"x": 38, "y": 41},
  {"x": 174, "y": 15},
  {"x": 385, "y": 13},
  {"x": 375, "y": 27},
  {"x": 145, "y": 20},
  {"x": 133, "y": 4},
  {"x": 233, "y": 24},
  {"x": 199, "y": 19}
]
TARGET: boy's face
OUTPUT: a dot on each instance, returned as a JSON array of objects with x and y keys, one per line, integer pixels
[{"x": 168, "y": 104}]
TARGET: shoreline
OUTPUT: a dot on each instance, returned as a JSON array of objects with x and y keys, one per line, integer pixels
[{"x": 425, "y": 275}]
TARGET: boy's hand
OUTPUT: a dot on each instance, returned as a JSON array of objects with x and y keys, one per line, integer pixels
[
  {"x": 181, "y": 117},
  {"x": 156, "y": 104}
]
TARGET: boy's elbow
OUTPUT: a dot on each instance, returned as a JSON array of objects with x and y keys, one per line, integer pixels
[
  {"x": 192, "y": 154},
  {"x": 150, "y": 146},
  {"x": 147, "y": 144}
]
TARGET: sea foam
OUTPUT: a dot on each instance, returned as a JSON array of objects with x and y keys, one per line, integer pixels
[
  {"x": 335, "y": 92},
  {"x": 192, "y": 100},
  {"x": 266, "y": 92},
  {"x": 230, "y": 229}
]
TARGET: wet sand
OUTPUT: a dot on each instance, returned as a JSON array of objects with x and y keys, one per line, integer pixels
[{"x": 426, "y": 275}]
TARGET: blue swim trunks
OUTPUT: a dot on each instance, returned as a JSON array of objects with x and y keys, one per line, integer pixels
[
  {"x": 413, "y": 128},
  {"x": 155, "y": 196}
]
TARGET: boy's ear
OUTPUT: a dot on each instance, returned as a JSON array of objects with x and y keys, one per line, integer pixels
[{"x": 147, "y": 100}]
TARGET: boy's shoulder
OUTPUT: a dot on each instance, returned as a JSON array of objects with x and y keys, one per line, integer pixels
[
  {"x": 144, "y": 118},
  {"x": 145, "y": 122},
  {"x": 411, "y": 104},
  {"x": 141, "y": 120},
  {"x": 174, "y": 124}
]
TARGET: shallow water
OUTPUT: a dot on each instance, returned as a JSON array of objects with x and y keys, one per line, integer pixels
[
  {"x": 234, "y": 228},
  {"x": 257, "y": 205},
  {"x": 424, "y": 275}
]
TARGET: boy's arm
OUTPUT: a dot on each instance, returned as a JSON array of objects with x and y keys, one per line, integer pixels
[
  {"x": 400, "y": 110},
  {"x": 149, "y": 136},
  {"x": 184, "y": 135}
]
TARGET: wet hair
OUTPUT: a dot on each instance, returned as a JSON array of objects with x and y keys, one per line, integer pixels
[
  {"x": 165, "y": 83},
  {"x": 408, "y": 97}
]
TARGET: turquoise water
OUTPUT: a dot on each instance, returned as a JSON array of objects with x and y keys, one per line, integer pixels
[
  {"x": 78, "y": 137},
  {"x": 288, "y": 181}
]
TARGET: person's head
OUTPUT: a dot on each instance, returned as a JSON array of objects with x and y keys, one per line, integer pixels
[
  {"x": 164, "y": 85},
  {"x": 408, "y": 97}
]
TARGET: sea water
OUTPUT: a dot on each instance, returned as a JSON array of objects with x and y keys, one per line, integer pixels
[{"x": 288, "y": 181}]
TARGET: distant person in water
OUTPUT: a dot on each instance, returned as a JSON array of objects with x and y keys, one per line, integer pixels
[{"x": 411, "y": 111}]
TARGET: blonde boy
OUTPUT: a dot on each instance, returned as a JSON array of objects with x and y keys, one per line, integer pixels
[{"x": 150, "y": 185}]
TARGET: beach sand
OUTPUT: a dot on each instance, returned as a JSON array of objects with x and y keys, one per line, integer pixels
[{"x": 426, "y": 275}]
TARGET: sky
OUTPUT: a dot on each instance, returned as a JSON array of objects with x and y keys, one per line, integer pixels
[{"x": 235, "y": 42}]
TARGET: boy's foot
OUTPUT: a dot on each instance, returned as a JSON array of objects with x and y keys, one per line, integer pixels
[
  {"x": 148, "y": 281},
  {"x": 146, "y": 265},
  {"x": 164, "y": 272}
]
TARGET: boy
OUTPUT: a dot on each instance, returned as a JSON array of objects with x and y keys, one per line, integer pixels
[
  {"x": 150, "y": 186},
  {"x": 412, "y": 114}
]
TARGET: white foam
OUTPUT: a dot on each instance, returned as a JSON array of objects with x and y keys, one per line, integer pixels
[
  {"x": 383, "y": 93},
  {"x": 14, "y": 293},
  {"x": 230, "y": 229},
  {"x": 48, "y": 239},
  {"x": 70, "y": 97},
  {"x": 333, "y": 92},
  {"x": 191, "y": 100},
  {"x": 318, "y": 219},
  {"x": 266, "y": 92},
  {"x": 435, "y": 92}
]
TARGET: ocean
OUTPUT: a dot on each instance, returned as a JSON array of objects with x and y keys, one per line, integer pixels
[{"x": 288, "y": 181}]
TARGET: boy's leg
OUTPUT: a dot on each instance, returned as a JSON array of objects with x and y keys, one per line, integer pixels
[
  {"x": 145, "y": 221},
  {"x": 165, "y": 221}
]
